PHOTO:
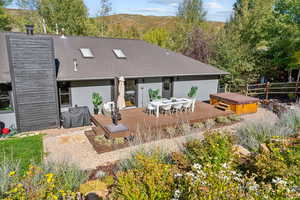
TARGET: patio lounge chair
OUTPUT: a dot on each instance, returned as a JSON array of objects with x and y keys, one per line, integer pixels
[{"x": 106, "y": 109}]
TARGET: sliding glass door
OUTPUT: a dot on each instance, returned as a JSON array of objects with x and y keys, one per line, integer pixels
[{"x": 131, "y": 93}]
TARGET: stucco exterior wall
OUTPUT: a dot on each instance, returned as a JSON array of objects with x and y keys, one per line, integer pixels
[
  {"x": 143, "y": 86},
  {"x": 82, "y": 91},
  {"x": 206, "y": 85}
]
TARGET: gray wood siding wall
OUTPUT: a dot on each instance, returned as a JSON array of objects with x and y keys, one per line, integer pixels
[{"x": 34, "y": 82}]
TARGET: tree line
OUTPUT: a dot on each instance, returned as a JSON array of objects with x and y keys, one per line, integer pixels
[{"x": 260, "y": 42}]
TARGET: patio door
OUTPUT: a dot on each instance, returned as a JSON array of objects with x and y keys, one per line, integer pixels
[
  {"x": 167, "y": 88},
  {"x": 131, "y": 93}
]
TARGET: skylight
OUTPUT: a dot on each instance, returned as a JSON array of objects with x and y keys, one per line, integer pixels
[
  {"x": 119, "y": 53},
  {"x": 86, "y": 53}
]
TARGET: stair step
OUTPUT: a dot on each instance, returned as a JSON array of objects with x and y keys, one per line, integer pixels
[
  {"x": 221, "y": 107},
  {"x": 223, "y": 104},
  {"x": 98, "y": 130}
]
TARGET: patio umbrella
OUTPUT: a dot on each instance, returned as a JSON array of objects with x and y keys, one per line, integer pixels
[{"x": 121, "y": 97}]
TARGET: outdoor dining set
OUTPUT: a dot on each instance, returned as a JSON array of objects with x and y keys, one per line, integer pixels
[{"x": 170, "y": 106}]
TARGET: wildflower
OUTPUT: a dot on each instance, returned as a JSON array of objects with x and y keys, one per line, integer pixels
[
  {"x": 237, "y": 179},
  {"x": 197, "y": 166},
  {"x": 177, "y": 194},
  {"x": 253, "y": 187},
  {"x": 178, "y": 175},
  {"x": 190, "y": 174},
  {"x": 12, "y": 173},
  {"x": 49, "y": 177},
  {"x": 225, "y": 165},
  {"x": 279, "y": 181}
]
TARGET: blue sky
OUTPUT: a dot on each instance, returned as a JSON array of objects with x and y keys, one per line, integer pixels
[{"x": 218, "y": 10}]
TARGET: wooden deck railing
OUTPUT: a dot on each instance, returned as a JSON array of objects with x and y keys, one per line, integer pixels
[{"x": 267, "y": 89}]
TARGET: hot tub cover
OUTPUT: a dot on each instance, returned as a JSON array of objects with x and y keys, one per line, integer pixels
[{"x": 234, "y": 98}]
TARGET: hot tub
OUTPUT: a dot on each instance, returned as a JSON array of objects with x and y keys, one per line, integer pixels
[{"x": 238, "y": 103}]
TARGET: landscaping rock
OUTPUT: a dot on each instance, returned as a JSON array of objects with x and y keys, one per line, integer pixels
[
  {"x": 241, "y": 151},
  {"x": 92, "y": 196},
  {"x": 264, "y": 148},
  {"x": 93, "y": 188}
]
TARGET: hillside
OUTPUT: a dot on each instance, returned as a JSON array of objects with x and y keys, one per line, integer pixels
[
  {"x": 125, "y": 21},
  {"x": 144, "y": 23}
]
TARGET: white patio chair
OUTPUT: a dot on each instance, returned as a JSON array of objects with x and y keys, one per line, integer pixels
[
  {"x": 150, "y": 109},
  {"x": 106, "y": 109},
  {"x": 187, "y": 106},
  {"x": 177, "y": 107},
  {"x": 166, "y": 109}
]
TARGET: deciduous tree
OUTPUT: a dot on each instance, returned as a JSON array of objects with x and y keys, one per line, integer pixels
[
  {"x": 4, "y": 19},
  {"x": 70, "y": 15}
]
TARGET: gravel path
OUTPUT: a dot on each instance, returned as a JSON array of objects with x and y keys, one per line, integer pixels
[{"x": 73, "y": 146}]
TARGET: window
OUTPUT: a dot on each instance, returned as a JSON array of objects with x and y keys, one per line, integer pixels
[
  {"x": 5, "y": 98},
  {"x": 119, "y": 53},
  {"x": 86, "y": 53},
  {"x": 65, "y": 94}
]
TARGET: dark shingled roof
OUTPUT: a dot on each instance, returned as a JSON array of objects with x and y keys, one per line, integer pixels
[{"x": 143, "y": 59}]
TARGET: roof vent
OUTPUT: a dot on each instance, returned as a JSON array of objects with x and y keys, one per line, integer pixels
[
  {"x": 119, "y": 53},
  {"x": 86, "y": 53},
  {"x": 75, "y": 65}
]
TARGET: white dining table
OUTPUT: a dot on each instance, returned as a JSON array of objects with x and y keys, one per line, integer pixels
[{"x": 158, "y": 103}]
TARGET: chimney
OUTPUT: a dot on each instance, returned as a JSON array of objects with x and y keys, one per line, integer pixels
[{"x": 29, "y": 29}]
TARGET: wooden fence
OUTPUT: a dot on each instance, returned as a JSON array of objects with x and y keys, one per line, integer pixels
[{"x": 267, "y": 89}]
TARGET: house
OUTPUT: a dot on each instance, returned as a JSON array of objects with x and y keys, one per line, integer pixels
[{"x": 41, "y": 75}]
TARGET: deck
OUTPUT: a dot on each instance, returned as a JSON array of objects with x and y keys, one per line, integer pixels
[{"x": 137, "y": 120}]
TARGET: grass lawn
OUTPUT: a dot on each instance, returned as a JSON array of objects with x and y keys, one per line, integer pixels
[{"x": 26, "y": 150}]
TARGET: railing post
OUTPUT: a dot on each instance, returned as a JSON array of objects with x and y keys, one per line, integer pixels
[
  {"x": 226, "y": 87},
  {"x": 267, "y": 91}
]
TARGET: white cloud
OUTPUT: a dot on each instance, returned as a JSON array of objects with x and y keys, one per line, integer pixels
[
  {"x": 213, "y": 5},
  {"x": 166, "y": 2}
]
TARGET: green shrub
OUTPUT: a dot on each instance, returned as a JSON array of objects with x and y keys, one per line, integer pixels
[
  {"x": 223, "y": 120},
  {"x": 49, "y": 181},
  {"x": 206, "y": 182},
  {"x": 290, "y": 119},
  {"x": 251, "y": 135},
  {"x": 234, "y": 118},
  {"x": 152, "y": 180},
  {"x": 210, "y": 123},
  {"x": 198, "y": 125},
  {"x": 133, "y": 163},
  {"x": 103, "y": 140},
  {"x": 172, "y": 132},
  {"x": 283, "y": 161},
  {"x": 69, "y": 176},
  {"x": 7, "y": 166},
  {"x": 119, "y": 141},
  {"x": 184, "y": 128},
  {"x": 216, "y": 148}
]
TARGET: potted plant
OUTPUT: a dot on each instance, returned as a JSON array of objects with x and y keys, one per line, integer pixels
[
  {"x": 97, "y": 101},
  {"x": 154, "y": 94},
  {"x": 193, "y": 92}
]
